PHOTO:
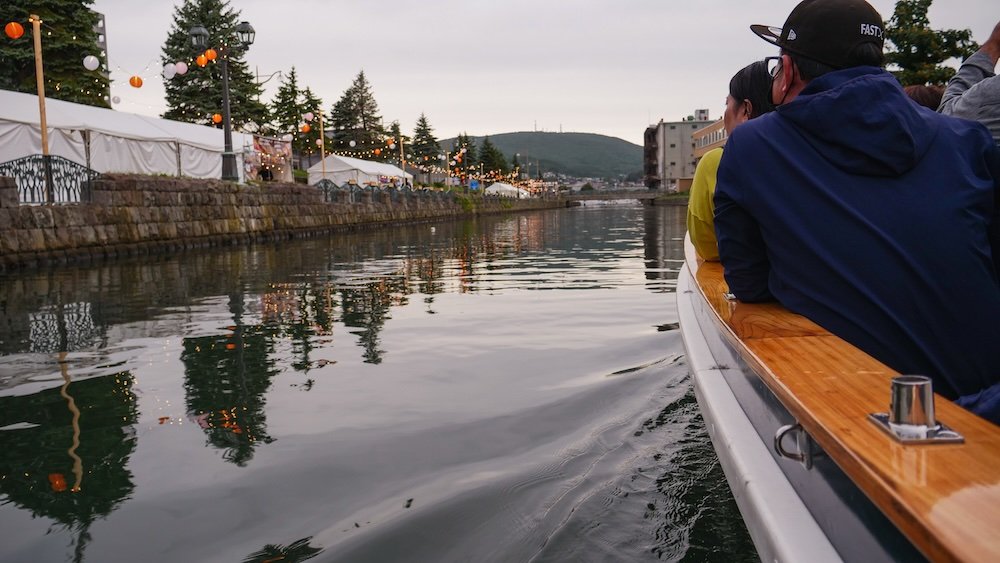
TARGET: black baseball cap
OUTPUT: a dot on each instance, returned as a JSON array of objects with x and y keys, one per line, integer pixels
[{"x": 826, "y": 31}]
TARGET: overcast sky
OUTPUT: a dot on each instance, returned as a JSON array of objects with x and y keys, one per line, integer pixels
[{"x": 497, "y": 66}]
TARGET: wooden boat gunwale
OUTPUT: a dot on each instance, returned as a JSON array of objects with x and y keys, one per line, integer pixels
[{"x": 944, "y": 498}]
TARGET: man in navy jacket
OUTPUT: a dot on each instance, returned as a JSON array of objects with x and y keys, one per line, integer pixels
[{"x": 872, "y": 216}]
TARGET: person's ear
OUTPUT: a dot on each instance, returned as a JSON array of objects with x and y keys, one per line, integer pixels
[
  {"x": 787, "y": 74},
  {"x": 747, "y": 108}
]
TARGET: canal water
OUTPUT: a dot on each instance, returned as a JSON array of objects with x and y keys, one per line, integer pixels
[{"x": 512, "y": 388}]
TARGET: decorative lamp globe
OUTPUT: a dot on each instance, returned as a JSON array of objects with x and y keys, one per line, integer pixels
[
  {"x": 245, "y": 33},
  {"x": 199, "y": 36}
]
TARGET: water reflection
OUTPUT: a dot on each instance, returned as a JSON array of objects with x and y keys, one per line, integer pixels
[
  {"x": 308, "y": 362},
  {"x": 225, "y": 379},
  {"x": 663, "y": 243},
  {"x": 65, "y": 450}
]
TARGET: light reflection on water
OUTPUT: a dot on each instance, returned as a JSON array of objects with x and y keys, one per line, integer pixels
[{"x": 494, "y": 390}]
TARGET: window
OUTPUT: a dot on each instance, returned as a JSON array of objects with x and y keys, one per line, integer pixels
[
  {"x": 673, "y": 127},
  {"x": 672, "y": 145},
  {"x": 673, "y": 164}
]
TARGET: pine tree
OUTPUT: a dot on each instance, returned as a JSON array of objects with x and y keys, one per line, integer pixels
[
  {"x": 918, "y": 50},
  {"x": 285, "y": 110},
  {"x": 194, "y": 97},
  {"x": 425, "y": 149},
  {"x": 469, "y": 161},
  {"x": 67, "y": 37},
  {"x": 355, "y": 118},
  {"x": 306, "y": 142},
  {"x": 395, "y": 134},
  {"x": 492, "y": 159}
]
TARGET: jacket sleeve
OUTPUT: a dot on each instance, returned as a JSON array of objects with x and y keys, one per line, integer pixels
[
  {"x": 974, "y": 93},
  {"x": 700, "y": 224},
  {"x": 741, "y": 246}
]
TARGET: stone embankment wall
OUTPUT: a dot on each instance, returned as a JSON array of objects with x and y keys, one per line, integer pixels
[{"x": 133, "y": 215}]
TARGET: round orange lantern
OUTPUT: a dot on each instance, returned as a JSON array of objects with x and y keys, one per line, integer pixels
[
  {"x": 202, "y": 60},
  {"x": 135, "y": 82},
  {"x": 14, "y": 30},
  {"x": 378, "y": 152},
  {"x": 306, "y": 128},
  {"x": 217, "y": 118},
  {"x": 57, "y": 481},
  {"x": 210, "y": 54}
]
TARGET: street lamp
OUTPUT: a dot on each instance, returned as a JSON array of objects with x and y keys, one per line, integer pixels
[{"x": 245, "y": 35}]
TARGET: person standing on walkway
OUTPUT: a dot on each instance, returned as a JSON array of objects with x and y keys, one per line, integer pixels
[{"x": 856, "y": 208}]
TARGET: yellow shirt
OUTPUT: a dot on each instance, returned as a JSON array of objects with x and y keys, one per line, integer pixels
[{"x": 701, "y": 207}]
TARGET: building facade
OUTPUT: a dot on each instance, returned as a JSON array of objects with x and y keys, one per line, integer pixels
[
  {"x": 668, "y": 151},
  {"x": 708, "y": 138}
]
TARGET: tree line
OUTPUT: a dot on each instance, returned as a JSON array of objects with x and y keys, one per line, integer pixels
[{"x": 353, "y": 125}]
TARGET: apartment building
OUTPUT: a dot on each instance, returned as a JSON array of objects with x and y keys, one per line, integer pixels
[{"x": 669, "y": 151}]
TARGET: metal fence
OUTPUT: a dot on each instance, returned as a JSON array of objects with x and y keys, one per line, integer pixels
[{"x": 50, "y": 179}]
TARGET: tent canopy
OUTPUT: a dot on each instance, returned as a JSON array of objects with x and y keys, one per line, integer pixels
[
  {"x": 343, "y": 170},
  {"x": 113, "y": 141},
  {"x": 507, "y": 190}
]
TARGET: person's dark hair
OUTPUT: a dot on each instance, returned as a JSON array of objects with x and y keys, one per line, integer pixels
[
  {"x": 865, "y": 54},
  {"x": 753, "y": 83},
  {"x": 927, "y": 96}
]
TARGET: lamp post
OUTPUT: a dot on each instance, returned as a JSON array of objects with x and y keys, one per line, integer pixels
[
  {"x": 199, "y": 39},
  {"x": 447, "y": 168}
]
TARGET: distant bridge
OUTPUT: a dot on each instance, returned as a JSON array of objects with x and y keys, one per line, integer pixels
[{"x": 642, "y": 195}]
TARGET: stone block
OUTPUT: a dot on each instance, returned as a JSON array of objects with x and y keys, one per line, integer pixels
[
  {"x": 88, "y": 235},
  {"x": 33, "y": 240},
  {"x": 8, "y": 193},
  {"x": 42, "y": 216},
  {"x": 9, "y": 242}
]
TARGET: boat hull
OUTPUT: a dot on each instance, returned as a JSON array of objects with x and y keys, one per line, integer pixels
[{"x": 793, "y": 512}]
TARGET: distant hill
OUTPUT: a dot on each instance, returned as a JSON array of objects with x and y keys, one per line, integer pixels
[{"x": 574, "y": 154}]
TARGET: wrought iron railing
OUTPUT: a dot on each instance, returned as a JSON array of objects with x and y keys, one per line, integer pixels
[
  {"x": 329, "y": 189},
  {"x": 353, "y": 193},
  {"x": 332, "y": 193},
  {"x": 50, "y": 179}
]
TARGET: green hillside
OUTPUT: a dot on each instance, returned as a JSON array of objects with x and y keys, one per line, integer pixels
[{"x": 574, "y": 154}]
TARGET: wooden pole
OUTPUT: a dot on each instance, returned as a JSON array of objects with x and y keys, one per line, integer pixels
[
  {"x": 36, "y": 29},
  {"x": 402, "y": 157}
]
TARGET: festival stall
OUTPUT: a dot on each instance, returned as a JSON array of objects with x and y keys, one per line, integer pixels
[
  {"x": 271, "y": 159},
  {"x": 112, "y": 141},
  {"x": 343, "y": 170},
  {"x": 506, "y": 190}
]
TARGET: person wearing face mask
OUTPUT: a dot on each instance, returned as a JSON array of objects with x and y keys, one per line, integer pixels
[
  {"x": 867, "y": 214},
  {"x": 749, "y": 97}
]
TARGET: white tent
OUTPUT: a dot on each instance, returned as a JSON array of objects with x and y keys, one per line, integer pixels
[
  {"x": 113, "y": 141},
  {"x": 342, "y": 170},
  {"x": 506, "y": 190}
]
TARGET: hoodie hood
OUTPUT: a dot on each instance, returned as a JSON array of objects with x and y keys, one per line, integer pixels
[{"x": 858, "y": 120}]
